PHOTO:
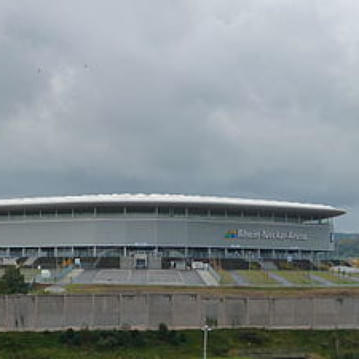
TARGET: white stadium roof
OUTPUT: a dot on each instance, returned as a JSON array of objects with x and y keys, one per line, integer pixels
[{"x": 174, "y": 199}]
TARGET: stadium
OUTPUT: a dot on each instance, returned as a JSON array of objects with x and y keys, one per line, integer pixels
[{"x": 182, "y": 228}]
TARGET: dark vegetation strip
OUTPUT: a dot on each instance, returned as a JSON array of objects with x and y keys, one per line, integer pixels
[{"x": 167, "y": 344}]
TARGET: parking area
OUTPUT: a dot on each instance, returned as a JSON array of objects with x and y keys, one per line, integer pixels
[{"x": 139, "y": 277}]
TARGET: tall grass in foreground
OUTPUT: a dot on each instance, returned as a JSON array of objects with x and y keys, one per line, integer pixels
[{"x": 167, "y": 344}]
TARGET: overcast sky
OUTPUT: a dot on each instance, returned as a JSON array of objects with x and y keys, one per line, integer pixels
[{"x": 256, "y": 98}]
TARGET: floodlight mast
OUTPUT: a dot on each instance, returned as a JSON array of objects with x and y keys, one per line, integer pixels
[{"x": 205, "y": 329}]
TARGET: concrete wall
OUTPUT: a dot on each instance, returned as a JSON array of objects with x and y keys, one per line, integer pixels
[{"x": 183, "y": 310}]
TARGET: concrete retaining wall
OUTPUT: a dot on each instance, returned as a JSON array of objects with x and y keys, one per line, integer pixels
[{"x": 182, "y": 310}]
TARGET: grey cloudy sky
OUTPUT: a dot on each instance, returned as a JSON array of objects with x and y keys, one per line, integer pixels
[{"x": 256, "y": 98}]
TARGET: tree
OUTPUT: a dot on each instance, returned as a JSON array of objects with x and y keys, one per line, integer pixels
[{"x": 13, "y": 282}]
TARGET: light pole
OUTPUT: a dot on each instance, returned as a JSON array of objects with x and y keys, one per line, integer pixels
[{"x": 205, "y": 329}]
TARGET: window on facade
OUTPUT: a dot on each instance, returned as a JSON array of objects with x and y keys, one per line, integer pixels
[
  {"x": 266, "y": 215},
  {"x": 50, "y": 212},
  {"x": 146, "y": 210},
  {"x": 279, "y": 217},
  {"x": 64, "y": 252},
  {"x": 293, "y": 218},
  {"x": 31, "y": 252},
  {"x": 163, "y": 211},
  {"x": 202, "y": 212},
  {"x": 109, "y": 211},
  {"x": 250, "y": 214},
  {"x": 17, "y": 213},
  {"x": 64, "y": 212},
  {"x": 4, "y": 215},
  {"x": 233, "y": 212},
  {"x": 315, "y": 220},
  {"x": 308, "y": 219},
  {"x": 84, "y": 212},
  {"x": 218, "y": 212},
  {"x": 33, "y": 213},
  {"x": 179, "y": 211}
]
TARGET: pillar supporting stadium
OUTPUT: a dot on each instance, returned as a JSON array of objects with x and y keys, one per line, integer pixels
[{"x": 165, "y": 252}]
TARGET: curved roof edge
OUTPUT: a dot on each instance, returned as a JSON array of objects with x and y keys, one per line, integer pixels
[{"x": 169, "y": 198}]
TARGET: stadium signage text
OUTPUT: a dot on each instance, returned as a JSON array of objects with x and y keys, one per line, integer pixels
[{"x": 264, "y": 234}]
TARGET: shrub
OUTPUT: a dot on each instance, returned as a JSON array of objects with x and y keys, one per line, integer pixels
[
  {"x": 13, "y": 282},
  {"x": 169, "y": 336},
  {"x": 182, "y": 338},
  {"x": 253, "y": 337},
  {"x": 70, "y": 337},
  {"x": 220, "y": 348},
  {"x": 137, "y": 338},
  {"x": 162, "y": 330},
  {"x": 107, "y": 342}
]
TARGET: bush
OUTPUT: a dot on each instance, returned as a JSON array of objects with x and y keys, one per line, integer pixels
[
  {"x": 162, "y": 331},
  {"x": 137, "y": 338},
  {"x": 12, "y": 282},
  {"x": 110, "y": 339},
  {"x": 70, "y": 337},
  {"x": 169, "y": 336},
  {"x": 253, "y": 337},
  {"x": 107, "y": 342},
  {"x": 220, "y": 348}
]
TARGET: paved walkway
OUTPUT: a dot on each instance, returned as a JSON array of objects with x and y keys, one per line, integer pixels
[
  {"x": 280, "y": 280},
  {"x": 238, "y": 279},
  {"x": 143, "y": 277},
  {"x": 322, "y": 281},
  {"x": 207, "y": 277},
  {"x": 347, "y": 277},
  {"x": 69, "y": 277}
]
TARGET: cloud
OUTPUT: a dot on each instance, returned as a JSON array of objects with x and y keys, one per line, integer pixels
[{"x": 250, "y": 98}]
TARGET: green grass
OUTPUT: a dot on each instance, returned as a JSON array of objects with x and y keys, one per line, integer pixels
[
  {"x": 234, "y": 344},
  {"x": 257, "y": 277},
  {"x": 335, "y": 278},
  {"x": 297, "y": 277},
  {"x": 258, "y": 291},
  {"x": 226, "y": 278}
]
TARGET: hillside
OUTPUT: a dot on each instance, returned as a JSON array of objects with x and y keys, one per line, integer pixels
[{"x": 348, "y": 244}]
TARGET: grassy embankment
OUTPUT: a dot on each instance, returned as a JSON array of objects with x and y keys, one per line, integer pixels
[
  {"x": 244, "y": 343},
  {"x": 257, "y": 277},
  {"x": 337, "y": 279},
  {"x": 297, "y": 292},
  {"x": 226, "y": 278},
  {"x": 262, "y": 278},
  {"x": 297, "y": 277}
]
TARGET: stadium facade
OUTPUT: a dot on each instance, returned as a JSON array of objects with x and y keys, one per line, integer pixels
[{"x": 165, "y": 225}]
